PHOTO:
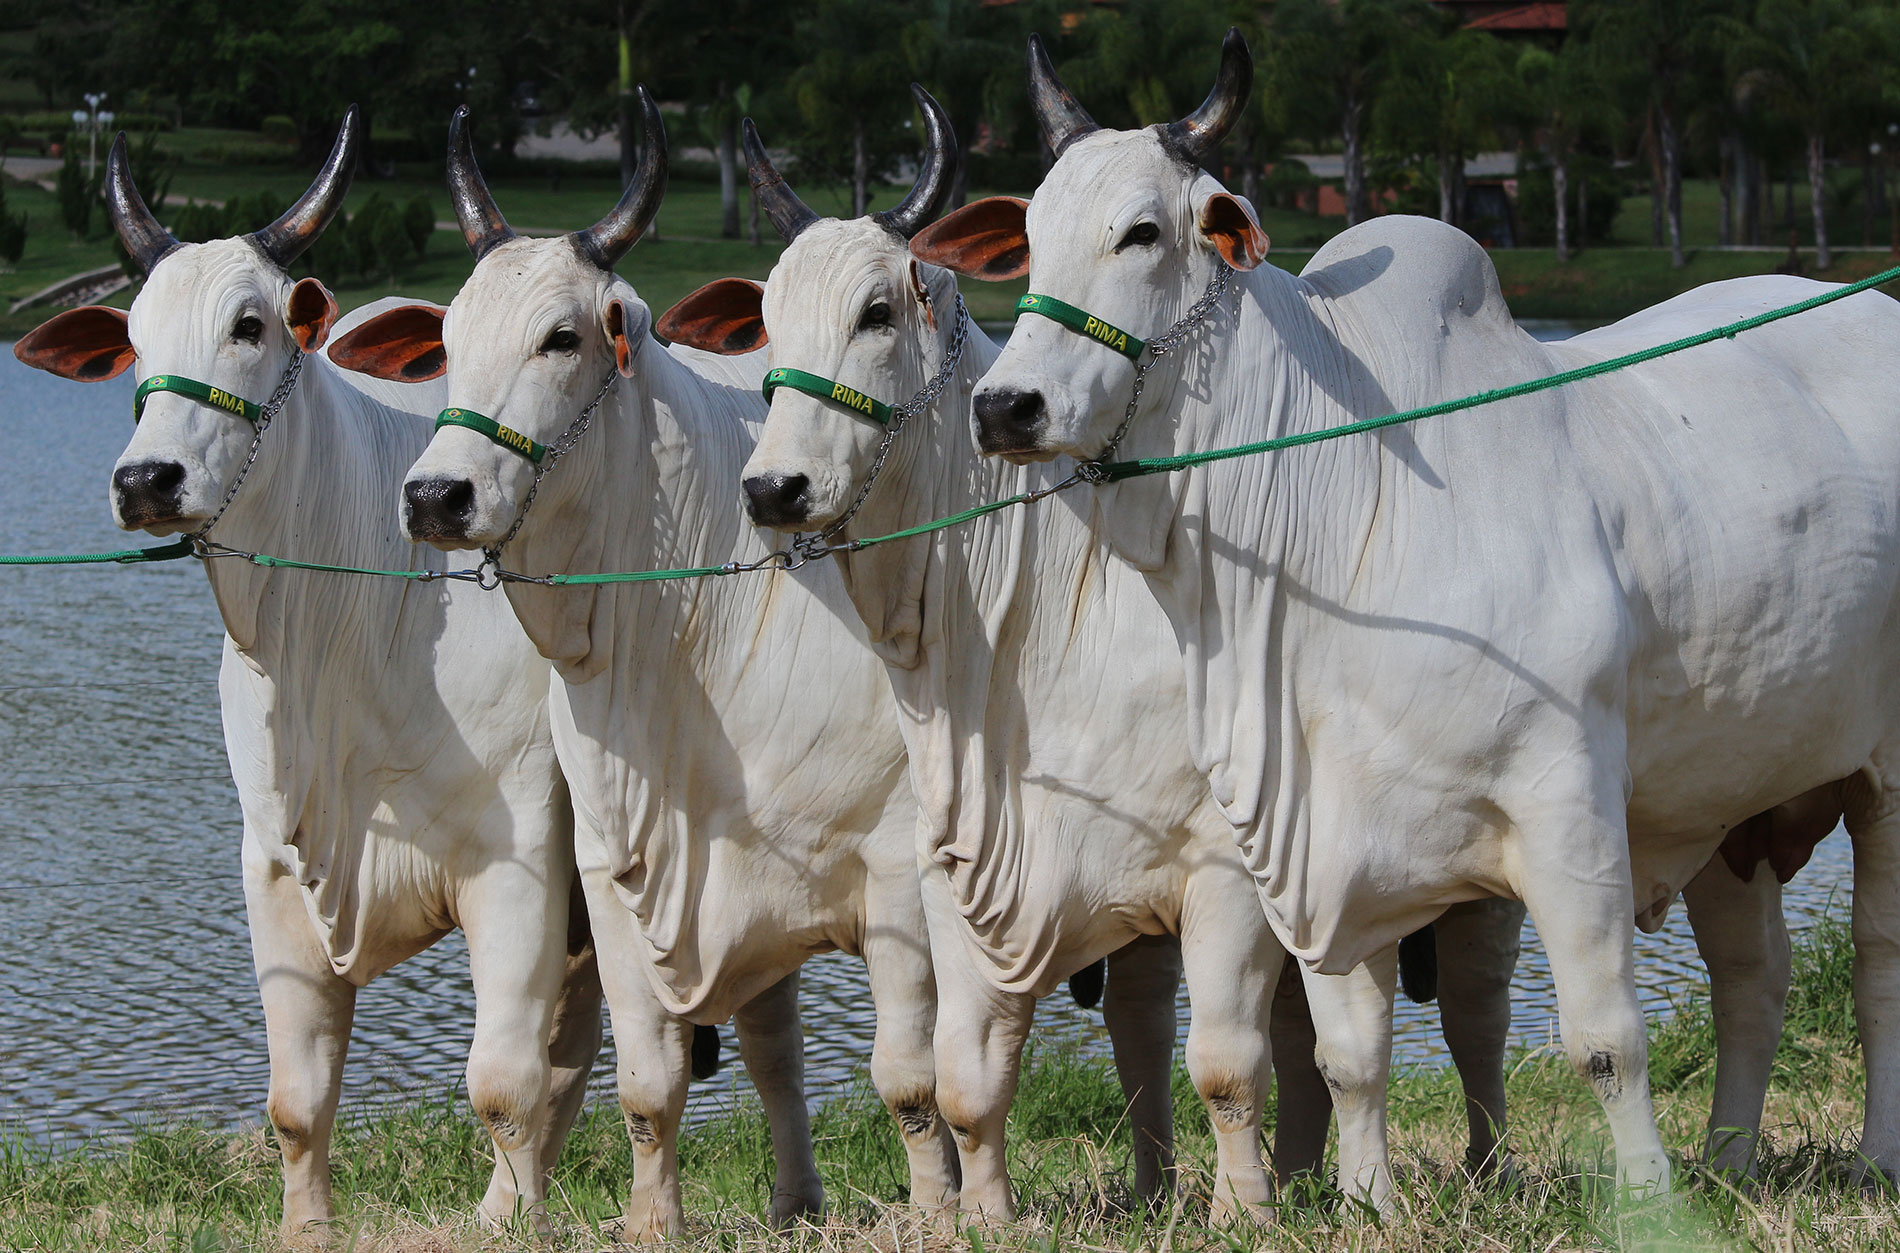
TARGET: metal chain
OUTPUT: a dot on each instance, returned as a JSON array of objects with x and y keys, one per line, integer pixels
[
  {"x": 818, "y": 544},
  {"x": 1091, "y": 470},
  {"x": 266, "y": 413},
  {"x": 491, "y": 554}
]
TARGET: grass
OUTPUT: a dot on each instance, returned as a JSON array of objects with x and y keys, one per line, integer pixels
[{"x": 408, "y": 1179}]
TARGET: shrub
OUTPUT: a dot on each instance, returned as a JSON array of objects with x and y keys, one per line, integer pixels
[
  {"x": 278, "y": 129},
  {"x": 383, "y": 244},
  {"x": 12, "y": 230},
  {"x": 244, "y": 214},
  {"x": 77, "y": 194},
  {"x": 198, "y": 223},
  {"x": 418, "y": 218}
]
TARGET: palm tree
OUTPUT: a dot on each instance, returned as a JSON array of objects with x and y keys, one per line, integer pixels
[
  {"x": 1441, "y": 100},
  {"x": 1655, "y": 43},
  {"x": 1564, "y": 100},
  {"x": 1816, "y": 61},
  {"x": 1328, "y": 60}
]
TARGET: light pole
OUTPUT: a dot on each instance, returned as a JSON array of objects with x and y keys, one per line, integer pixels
[{"x": 91, "y": 119}]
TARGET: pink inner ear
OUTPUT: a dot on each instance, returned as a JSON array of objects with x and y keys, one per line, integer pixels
[
  {"x": 403, "y": 345},
  {"x": 311, "y": 313},
  {"x": 1227, "y": 224},
  {"x": 987, "y": 240},
  {"x": 88, "y": 345},
  {"x": 726, "y": 316}
]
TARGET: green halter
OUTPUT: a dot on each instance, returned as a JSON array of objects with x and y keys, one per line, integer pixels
[
  {"x": 204, "y": 393},
  {"x": 506, "y": 436},
  {"x": 1083, "y": 322},
  {"x": 825, "y": 389}
]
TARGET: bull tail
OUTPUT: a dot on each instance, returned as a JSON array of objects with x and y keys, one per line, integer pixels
[
  {"x": 705, "y": 1052},
  {"x": 1086, "y": 984},
  {"x": 1418, "y": 965}
]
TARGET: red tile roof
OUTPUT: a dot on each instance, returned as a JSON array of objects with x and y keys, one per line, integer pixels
[{"x": 1543, "y": 15}]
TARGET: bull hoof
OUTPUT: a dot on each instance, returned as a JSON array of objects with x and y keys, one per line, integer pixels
[
  {"x": 791, "y": 1208},
  {"x": 1872, "y": 1178}
]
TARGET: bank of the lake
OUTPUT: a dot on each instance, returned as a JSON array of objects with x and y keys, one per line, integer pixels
[{"x": 407, "y": 1178}]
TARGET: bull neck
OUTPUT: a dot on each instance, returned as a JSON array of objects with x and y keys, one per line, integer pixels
[{"x": 325, "y": 487}]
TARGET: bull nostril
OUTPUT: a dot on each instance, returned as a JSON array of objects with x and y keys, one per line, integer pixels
[
  {"x": 148, "y": 491},
  {"x": 1007, "y": 417},
  {"x": 439, "y": 508},
  {"x": 777, "y": 499}
]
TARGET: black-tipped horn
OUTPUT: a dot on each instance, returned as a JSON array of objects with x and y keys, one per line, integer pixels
[
  {"x": 790, "y": 215},
  {"x": 144, "y": 239},
  {"x": 607, "y": 240},
  {"x": 481, "y": 222},
  {"x": 935, "y": 176},
  {"x": 1063, "y": 121},
  {"x": 1197, "y": 136},
  {"x": 284, "y": 240}
]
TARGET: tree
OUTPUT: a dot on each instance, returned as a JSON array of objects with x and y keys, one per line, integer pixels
[
  {"x": 1440, "y": 100},
  {"x": 1818, "y": 61},
  {"x": 1563, "y": 100},
  {"x": 1654, "y": 46},
  {"x": 12, "y": 231},
  {"x": 1327, "y": 61},
  {"x": 852, "y": 92}
]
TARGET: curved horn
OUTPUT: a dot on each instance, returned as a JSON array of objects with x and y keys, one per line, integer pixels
[
  {"x": 1198, "y": 135},
  {"x": 607, "y": 240},
  {"x": 144, "y": 239},
  {"x": 790, "y": 215},
  {"x": 284, "y": 240},
  {"x": 935, "y": 176},
  {"x": 482, "y": 224},
  {"x": 1063, "y": 121}
]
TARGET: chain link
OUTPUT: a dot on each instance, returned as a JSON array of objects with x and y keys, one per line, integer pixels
[
  {"x": 818, "y": 544},
  {"x": 1092, "y": 470},
  {"x": 562, "y": 445},
  {"x": 267, "y": 412}
]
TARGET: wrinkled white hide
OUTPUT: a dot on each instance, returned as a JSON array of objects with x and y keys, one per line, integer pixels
[
  {"x": 1550, "y": 648},
  {"x": 736, "y": 765},
  {"x": 389, "y": 739},
  {"x": 1047, "y": 722}
]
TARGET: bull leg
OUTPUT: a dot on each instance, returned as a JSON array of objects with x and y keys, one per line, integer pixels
[
  {"x": 904, "y": 1070},
  {"x": 517, "y": 958},
  {"x": 575, "y": 1040},
  {"x": 1477, "y": 955},
  {"x": 978, "y": 1046},
  {"x": 1576, "y": 883},
  {"x": 1877, "y": 980},
  {"x": 1304, "y": 1112},
  {"x": 1231, "y": 972},
  {"x": 307, "y": 1015},
  {"x": 1138, "y": 1011},
  {"x": 654, "y": 1049},
  {"x": 772, "y": 1045},
  {"x": 1743, "y": 940},
  {"x": 1352, "y": 1028}
]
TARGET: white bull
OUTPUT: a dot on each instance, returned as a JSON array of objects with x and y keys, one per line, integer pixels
[
  {"x": 1552, "y": 647},
  {"x": 388, "y": 739},
  {"x": 1047, "y": 723},
  {"x": 738, "y": 776}
]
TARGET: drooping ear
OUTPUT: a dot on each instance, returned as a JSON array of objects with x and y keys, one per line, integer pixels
[
  {"x": 1230, "y": 226},
  {"x": 626, "y": 323},
  {"x": 403, "y": 345},
  {"x": 88, "y": 344},
  {"x": 310, "y": 313},
  {"x": 988, "y": 240},
  {"x": 726, "y": 316}
]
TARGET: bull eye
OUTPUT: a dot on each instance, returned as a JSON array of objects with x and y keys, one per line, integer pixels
[
  {"x": 1140, "y": 235},
  {"x": 249, "y": 328},
  {"x": 562, "y": 339},
  {"x": 877, "y": 317}
]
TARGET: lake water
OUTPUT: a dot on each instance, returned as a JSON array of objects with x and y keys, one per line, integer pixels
[{"x": 126, "y": 991}]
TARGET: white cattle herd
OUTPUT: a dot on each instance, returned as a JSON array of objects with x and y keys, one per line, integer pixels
[{"x": 1553, "y": 653}]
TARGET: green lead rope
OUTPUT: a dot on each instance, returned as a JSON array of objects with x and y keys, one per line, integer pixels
[
  {"x": 1083, "y": 322},
  {"x": 506, "y": 436},
  {"x": 825, "y": 389},
  {"x": 203, "y": 393},
  {"x": 1113, "y": 471}
]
